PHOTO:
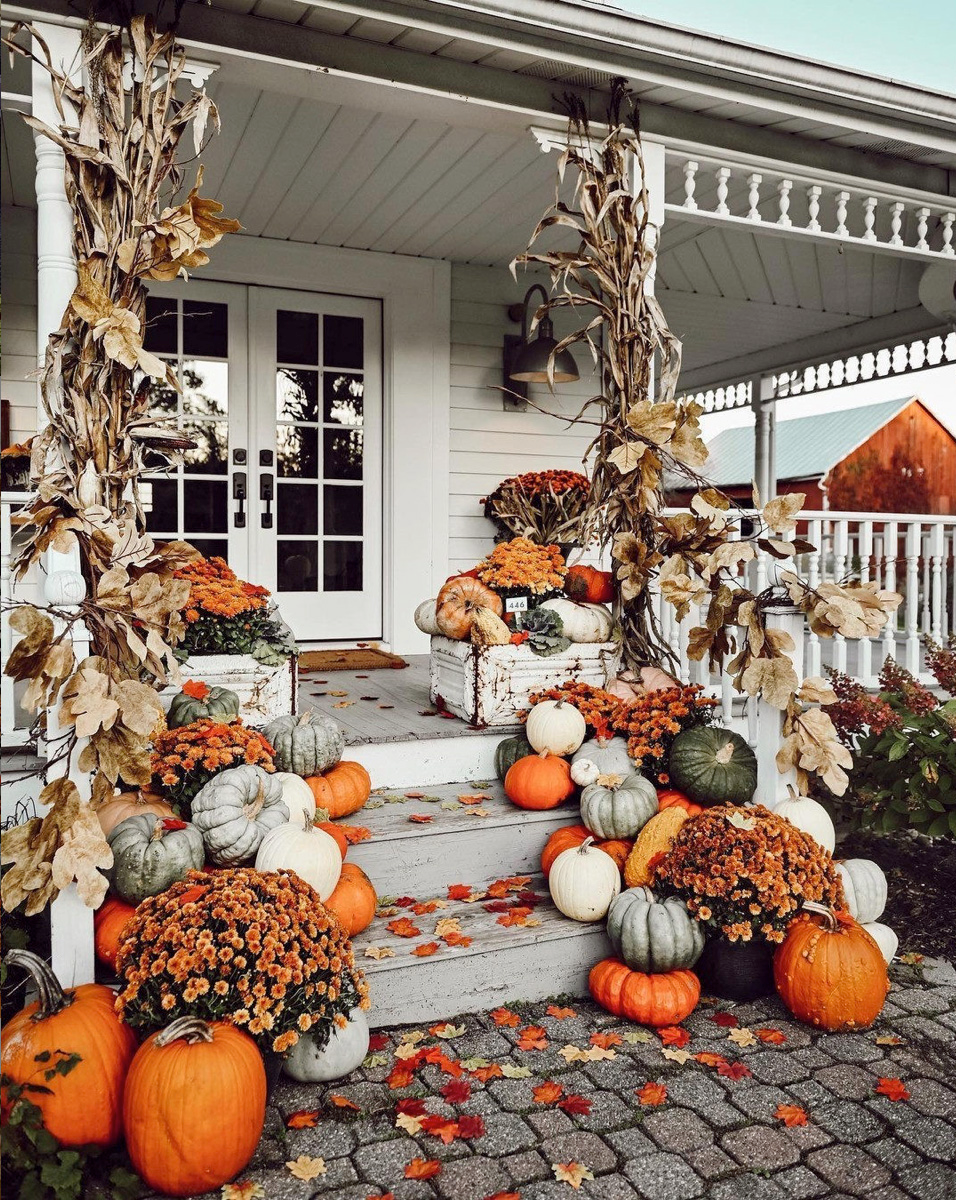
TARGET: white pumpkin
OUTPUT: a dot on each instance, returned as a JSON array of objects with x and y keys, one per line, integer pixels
[
  {"x": 885, "y": 938},
  {"x": 582, "y": 887},
  {"x": 811, "y": 817},
  {"x": 583, "y": 622},
  {"x": 864, "y": 885},
  {"x": 342, "y": 1054},
  {"x": 598, "y": 757},
  {"x": 312, "y": 853},
  {"x": 426, "y": 619},
  {"x": 555, "y": 727},
  {"x": 297, "y": 795}
]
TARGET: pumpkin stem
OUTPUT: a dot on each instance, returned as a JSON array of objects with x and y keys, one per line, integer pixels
[
  {"x": 193, "y": 1029},
  {"x": 586, "y": 845},
  {"x": 826, "y": 913},
  {"x": 252, "y": 810},
  {"x": 321, "y": 816},
  {"x": 307, "y": 823},
  {"x": 305, "y": 718},
  {"x": 52, "y": 997},
  {"x": 725, "y": 753},
  {"x": 158, "y": 830},
  {"x": 610, "y": 781}
]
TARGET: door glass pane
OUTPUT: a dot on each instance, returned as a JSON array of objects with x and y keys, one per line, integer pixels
[
  {"x": 205, "y": 329},
  {"x": 211, "y": 455},
  {"x": 205, "y": 502},
  {"x": 343, "y": 454},
  {"x": 211, "y": 547},
  {"x": 297, "y": 395},
  {"x": 342, "y": 566},
  {"x": 163, "y": 401},
  {"x": 205, "y": 388},
  {"x": 343, "y": 341},
  {"x": 297, "y": 566},
  {"x": 342, "y": 398},
  {"x": 161, "y": 335},
  {"x": 297, "y": 452},
  {"x": 297, "y": 337},
  {"x": 342, "y": 509},
  {"x": 163, "y": 516},
  {"x": 298, "y": 508}
]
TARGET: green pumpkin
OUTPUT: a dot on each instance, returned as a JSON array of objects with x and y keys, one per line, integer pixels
[
  {"x": 617, "y": 806},
  {"x": 713, "y": 766},
  {"x": 509, "y": 751},
  {"x": 218, "y": 705},
  {"x": 652, "y": 935},
  {"x": 310, "y": 744},
  {"x": 149, "y": 857},
  {"x": 235, "y": 810}
]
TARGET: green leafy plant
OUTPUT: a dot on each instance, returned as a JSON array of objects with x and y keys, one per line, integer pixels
[
  {"x": 903, "y": 742},
  {"x": 33, "y": 1164},
  {"x": 545, "y": 631}
]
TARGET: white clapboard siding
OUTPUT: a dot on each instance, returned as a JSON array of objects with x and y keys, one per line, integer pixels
[{"x": 19, "y": 319}]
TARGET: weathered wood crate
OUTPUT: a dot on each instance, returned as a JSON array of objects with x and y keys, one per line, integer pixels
[
  {"x": 264, "y": 692},
  {"x": 489, "y": 685}
]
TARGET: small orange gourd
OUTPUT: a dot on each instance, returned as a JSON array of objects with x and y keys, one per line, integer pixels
[
  {"x": 539, "y": 781},
  {"x": 109, "y": 921},
  {"x": 656, "y": 1000},
  {"x": 342, "y": 790},
  {"x": 354, "y": 900},
  {"x": 668, "y": 798},
  {"x": 588, "y": 585}
]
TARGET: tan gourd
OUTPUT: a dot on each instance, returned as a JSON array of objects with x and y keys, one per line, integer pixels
[
  {"x": 655, "y": 838},
  {"x": 488, "y": 629}
]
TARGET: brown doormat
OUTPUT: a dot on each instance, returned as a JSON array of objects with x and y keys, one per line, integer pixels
[{"x": 349, "y": 660}]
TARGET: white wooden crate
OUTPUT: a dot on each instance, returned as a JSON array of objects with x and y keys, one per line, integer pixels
[{"x": 264, "y": 692}]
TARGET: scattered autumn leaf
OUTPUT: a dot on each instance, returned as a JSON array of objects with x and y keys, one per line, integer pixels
[
  {"x": 440, "y": 1127},
  {"x": 355, "y": 833},
  {"x": 447, "y": 1030},
  {"x": 446, "y": 925},
  {"x": 505, "y": 1017},
  {"x": 635, "y": 1036},
  {"x": 456, "y": 939},
  {"x": 892, "y": 1089},
  {"x": 579, "y": 1106},
  {"x": 458, "y": 891},
  {"x": 426, "y": 949},
  {"x": 734, "y": 1070},
  {"x": 303, "y": 1118},
  {"x": 411, "y": 1105},
  {"x": 479, "y": 798},
  {"x": 421, "y": 818},
  {"x": 651, "y": 1094},
  {"x": 742, "y": 1037},
  {"x": 791, "y": 1115},
  {"x": 379, "y": 952},
  {"x": 414, "y": 795},
  {"x": 245, "y": 1189},
  {"x": 911, "y": 959},
  {"x": 306, "y": 1168},
  {"x": 457, "y": 1091},
  {"x": 673, "y": 1035},
  {"x": 378, "y": 1041},
  {"x": 533, "y": 1037},
  {"x": 410, "y": 1123},
  {"x": 674, "y": 1055},
  {"x": 773, "y": 1037},
  {"x": 890, "y": 1039},
  {"x": 605, "y": 1040},
  {"x": 490, "y": 1071},
  {"x": 710, "y": 1058},
  {"x": 555, "y": 1010},
  {"x": 403, "y": 927},
  {"x": 423, "y": 1168},
  {"x": 504, "y": 1196},
  {"x": 471, "y": 1125},
  {"x": 547, "y": 1092},
  {"x": 573, "y": 1172},
  {"x": 726, "y": 1019},
  {"x": 400, "y": 1077},
  {"x": 411, "y": 1037},
  {"x": 424, "y": 908},
  {"x": 343, "y": 1102}
]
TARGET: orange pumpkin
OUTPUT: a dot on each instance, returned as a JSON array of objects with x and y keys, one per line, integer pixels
[
  {"x": 194, "y": 1106},
  {"x": 668, "y": 798},
  {"x": 618, "y": 848},
  {"x": 830, "y": 972},
  {"x": 341, "y": 791},
  {"x": 130, "y": 804},
  {"x": 335, "y": 833},
  {"x": 109, "y": 921},
  {"x": 569, "y": 836},
  {"x": 85, "y": 1106},
  {"x": 648, "y": 999},
  {"x": 458, "y": 602},
  {"x": 588, "y": 585},
  {"x": 354, "y": 900},
  {"x": 539, "y": 781}
]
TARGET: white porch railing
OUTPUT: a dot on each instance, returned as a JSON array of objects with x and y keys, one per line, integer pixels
[{"x": 15, "y": 723}]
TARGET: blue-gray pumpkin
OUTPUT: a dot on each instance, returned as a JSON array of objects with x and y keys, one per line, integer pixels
[
  {"x": 616, "y": 806},
  {"x": 150, "y": 854},
  {"x": 654, "y": 935},
  {"x": 598, "y": 757},
  {"x": 235, "y": 810},
  {"x": 307, "y": 745}
]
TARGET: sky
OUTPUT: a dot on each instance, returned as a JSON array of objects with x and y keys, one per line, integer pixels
[{"x": 883, "y": 37}]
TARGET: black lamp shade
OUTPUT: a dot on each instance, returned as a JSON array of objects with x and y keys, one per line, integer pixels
[{"x": 530, "y": 363}]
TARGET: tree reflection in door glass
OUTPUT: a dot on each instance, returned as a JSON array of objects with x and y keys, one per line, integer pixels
[
  {"x": 205, "y": 388},
  {"x": 297, "y": 452},
  {"x": 297, "y": 394},
  {"x": 343, "y": 454},
  {"x": 342, "y": 566},
  {"x": 342, "y": 399}
]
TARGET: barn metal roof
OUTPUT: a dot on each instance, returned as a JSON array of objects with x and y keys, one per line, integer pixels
[{"x": 807, "y": 447}]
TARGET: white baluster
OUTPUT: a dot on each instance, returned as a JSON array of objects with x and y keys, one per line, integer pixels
[
  {"x": 726, "y": 700},
  {"x": 723, "y": 175},
  {"x": 936, "y": 548},
  {"x": 690, "y": 183},
  {"x": 783, "y": 192},
  {"x": 753, "y": 196},
  {"x": 896, "y": 223},
  {"x": 948, "y": 219},
  {"x": 911, "y": 595},
  {"x": 815, "y": 537},
  {"x": 922, "y": 224},
  {"x": 891, "y": 549},
  {"x": 865, "y": 645},
  {"x": 925, "y": 593},
  {"x": 840, "y": 546},
  {"x": 813, "y": 207},
  {"x": 842, "y": 199},
  {"x": 869, "y": 218}
]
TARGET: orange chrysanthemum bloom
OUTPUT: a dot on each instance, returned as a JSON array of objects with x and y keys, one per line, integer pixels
[{"x": 185, "y": 759}]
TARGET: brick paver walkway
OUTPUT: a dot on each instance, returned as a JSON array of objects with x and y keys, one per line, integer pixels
[{"x": 714, "y": 1136}]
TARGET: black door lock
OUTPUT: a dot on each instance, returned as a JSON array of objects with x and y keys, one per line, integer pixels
[
  {"x": 265, "y": 493},
  {"x": 239, "y": 493}
]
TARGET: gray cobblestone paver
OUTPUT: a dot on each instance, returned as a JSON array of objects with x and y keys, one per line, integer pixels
[{"x": 714, "y": 1138}]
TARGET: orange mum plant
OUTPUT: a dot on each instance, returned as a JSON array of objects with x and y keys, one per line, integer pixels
[
  {"x": 226, "y": 615},
  {"x": 523, "y": 566},
  {"x": 186, "y": 758},
  {"x": 745, "y": 872},
  {"x": 244, "y": 946}
]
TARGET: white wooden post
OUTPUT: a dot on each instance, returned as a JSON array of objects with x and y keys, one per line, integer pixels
[
  {"x": 771, "y": 783},
  {"x": 765, "y": 436}
]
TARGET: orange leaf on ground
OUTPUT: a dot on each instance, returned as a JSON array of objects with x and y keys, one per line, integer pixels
[
  {"x": 483, "y": 1074},
  {"x": 773, "y": 1037},
  {"x": 479, "y": 798},
  {"x": 606, "y": 1040},
  {"x": 514, "y": 883},
  {"x": 734, "y": 1070},
  {"x": 427, "y": 906},
  {"x": 456, "y": 939},
  {"x": 440, "y": 1127},
  {"x": 400, "y": 1077},
  {"x": 651, "y": 1094},
  {"x": 533, "y": 1037},
  {"x": 458, "y": 891},
  {"x": 303, "y": 1118},
  {"x": 421, "y": 818},
  {"x": 892, "y": 1089},
  {"x": 355, "y": 833},
  {"x": 673, "y": 1035},
  {"x": 423, "y": 1168},
  {"x": 504, "y": 1195},
  {"x": 791, "y": 1115},
  {"x": 573, "y": 1172},
  {"x": 343, "y": 1102},
  {"x": 547, "y": 1092},
  {"x": 414, "y": 795},
  {"x": 504, "y": 1016},
  {"x": 381, "y": 1195},
  {"x": 403, "y": 927},
  {"x": 555, "y": 1010},
  {"x": 709, "y": 1059},
  {"x": 578, "y": 1105}
]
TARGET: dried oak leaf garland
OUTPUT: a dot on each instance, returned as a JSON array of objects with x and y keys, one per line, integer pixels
[{"x": 121, "y": 146}]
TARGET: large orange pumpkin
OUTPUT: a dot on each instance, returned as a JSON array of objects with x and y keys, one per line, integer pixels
[
  {"x": 648, "y": 999},
  {"x": 109, "y": 921},
  {"x": 588, "y": 585},
  {"x": 830, "y": 972},
  {"x": 84, "y": 1106},
  {"x": 335, "y": 833},
  {"x": 539, "y": 781},
  {"x": 458, "y": 602},
  {"x": 354, "y": 900},
  {"x": 130, "y": 804},
  {"x": 194, "y": 1106},
  {"x": 668, "y": 798},
  {"x": 341, "y": 791}
]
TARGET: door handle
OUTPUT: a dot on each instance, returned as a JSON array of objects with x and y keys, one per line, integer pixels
[
  {"x": 239, "y": 493},
  {"x": 265, "y": 493}
]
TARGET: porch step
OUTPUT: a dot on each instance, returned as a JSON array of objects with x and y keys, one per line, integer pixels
[
  {"x": 460, "y": 843},
  {"x": 502, "y": 964},
  {"x": 426, "y": 761}
]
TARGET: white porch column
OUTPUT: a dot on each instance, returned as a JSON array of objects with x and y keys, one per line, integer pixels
[
  {"x": 765, "y": 437},
  {"x": 71, "y": 922},
  {"x": 653, "y": 154}
]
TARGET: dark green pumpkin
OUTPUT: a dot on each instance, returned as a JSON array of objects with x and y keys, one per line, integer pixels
[
  {"x": 219, "y": 705},
  {"x": 509, "y": 751},
  {"x": 713, "y": 766}
]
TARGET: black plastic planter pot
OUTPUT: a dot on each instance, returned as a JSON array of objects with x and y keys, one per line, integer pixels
[{"x": 736, "y": 970}]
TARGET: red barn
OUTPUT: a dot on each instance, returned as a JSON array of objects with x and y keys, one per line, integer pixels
[{"x": 889, "y": 457}]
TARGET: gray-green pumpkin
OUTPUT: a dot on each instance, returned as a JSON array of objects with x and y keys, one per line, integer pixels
[
  {"x": 618, "y": 806},
  {"x": 653, "y": 935},
  {"x": 605, "y": 758},
  {"x": 310, "y": 744},
  {"x": 148, "y": 856},
  {"x": 234, "y": 812},
  {"x": 509, "y": 751},
  {"x": 219, "y": 704},
  {"x": 711, "y": 765}
]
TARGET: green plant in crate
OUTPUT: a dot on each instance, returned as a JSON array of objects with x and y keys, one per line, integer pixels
[{"x": 903, "y": 742}]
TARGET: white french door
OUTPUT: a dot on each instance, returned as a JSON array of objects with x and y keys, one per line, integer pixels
[{"x": 282, "y": 393}]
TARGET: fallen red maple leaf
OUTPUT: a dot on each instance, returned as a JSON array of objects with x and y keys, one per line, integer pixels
[
  {"x": 555, "y": 1010},
  {"x": 734, "y": 1070},
  {"x": 892, "y": 1089},
  {"x": 773, "y": 1037},
  {"x": 459, "y": 891},
  {"x": 440, "y": 1127},
  {"x": 378, "y": 1041},
  {"x": 507, "y": 1195},
  {"x": 710, "y": 1059},
  {"x": 458, "y": 1091},
  {"x": 456, "y": 939},
  {"x": 403, "y": 927},
  {"x": 652, "y": 1094},
  {"x": 497, "y": 906},
  {"x": 725, "y": 1019},
  {"x": 420, "y": 818},
  {"x": 673, "y": 1035},
  {"x": 483, "y": 1074},
  {"x": 426, "y": 949},
  {"x": 427, "y": 906},
  {"x": 405, "y": 901},
  {"x": 355, "y": 833},
  {"x": 471, "y": 1125},
  {"x": 303, "y": 1118},
  {"x": 547, "y": 1092},
  {"x": 578, "y": 1105},
  {"x": 411, "y": 1106},
  {"x": 400, "y": 1077},
  {"x": 791, "y": 1115},
  {"x": 422, "y": 1168}
]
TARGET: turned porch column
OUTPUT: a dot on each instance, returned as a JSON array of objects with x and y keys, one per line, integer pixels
[{"x": 765, "y": 436}]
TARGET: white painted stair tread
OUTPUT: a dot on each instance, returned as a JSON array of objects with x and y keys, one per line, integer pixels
[{"x": 502, "y": 963}]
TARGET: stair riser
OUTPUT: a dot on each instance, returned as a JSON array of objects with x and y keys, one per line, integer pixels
[
  {"x": 423, "y": 866},
  {"x": 435, "y": 988},
  {"x": 428, "y": 761}
]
